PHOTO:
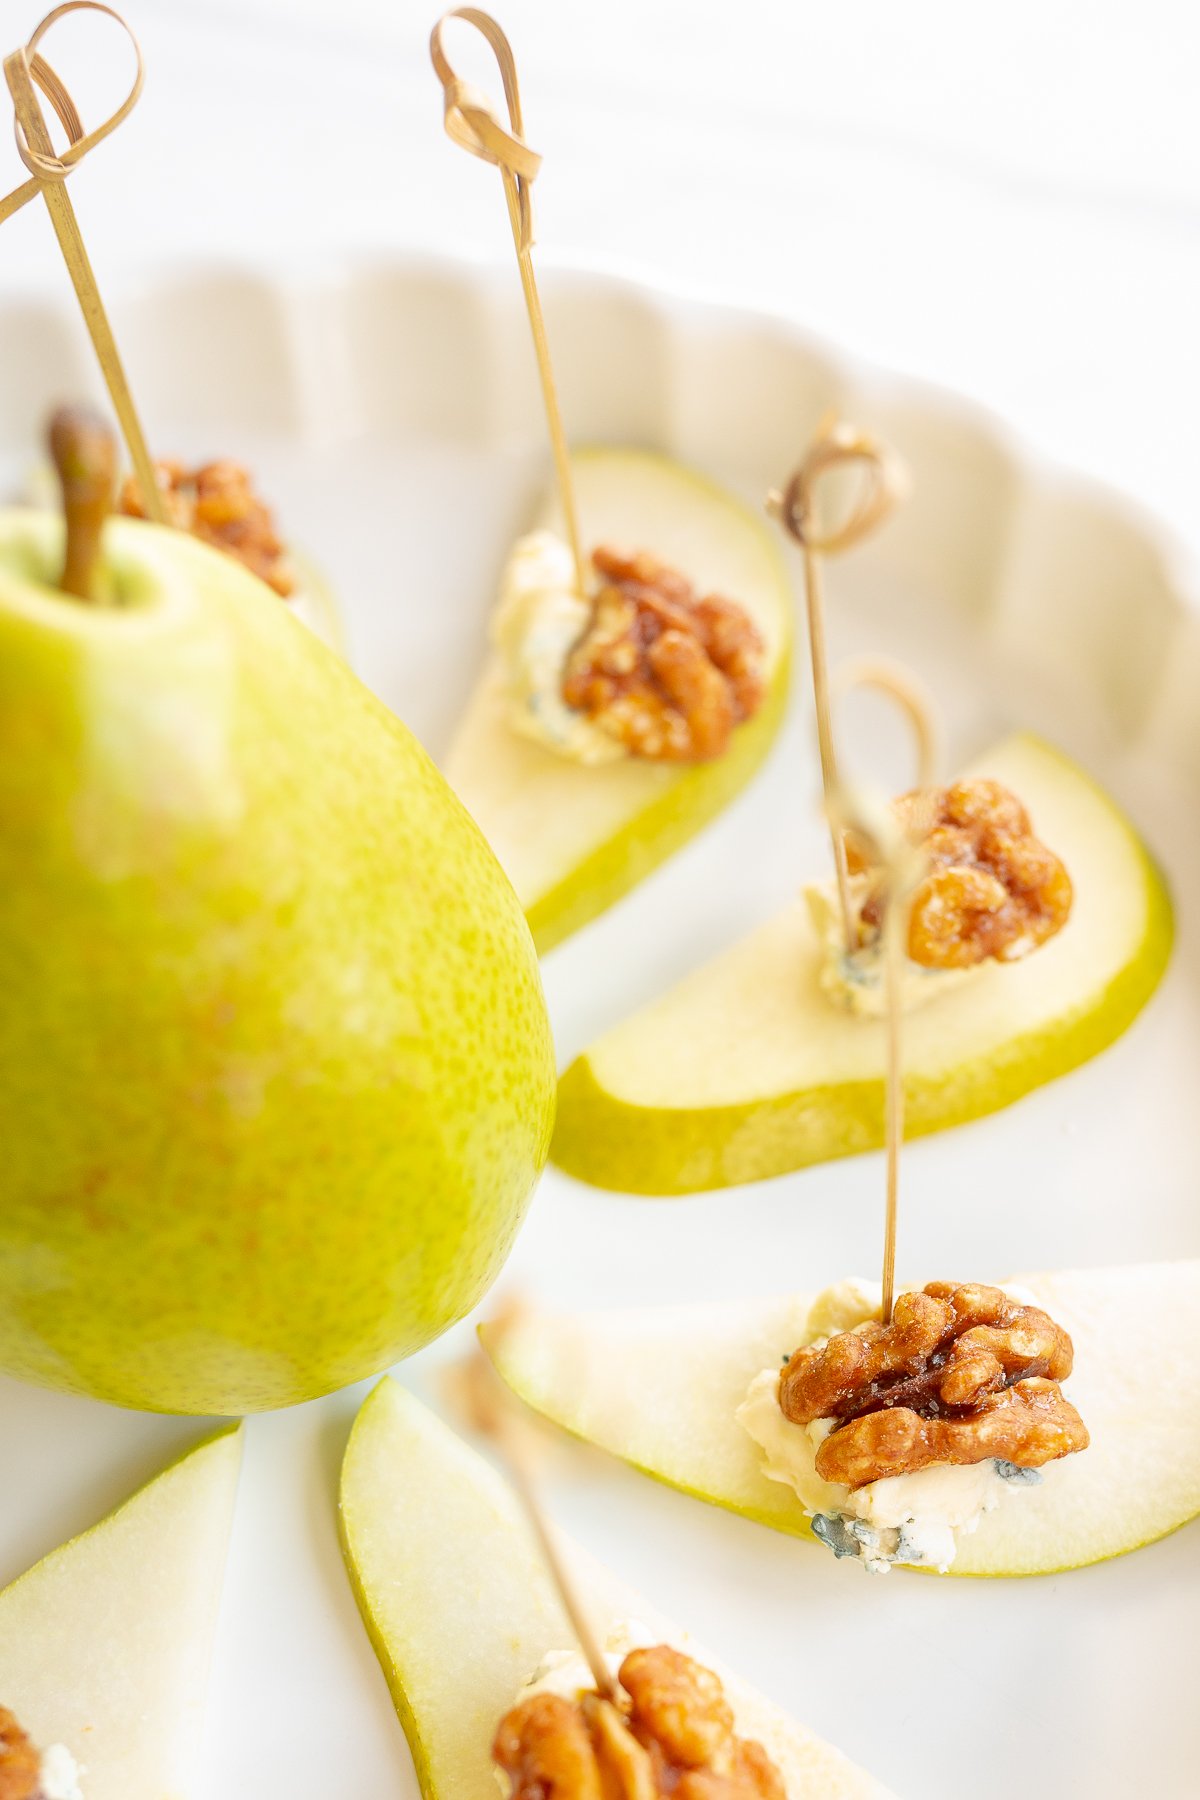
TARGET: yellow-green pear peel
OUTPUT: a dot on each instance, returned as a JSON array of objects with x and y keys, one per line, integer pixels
[
  {"x": 105, "y": 1644},
  {"x": 659, "y": 1388},
  {"x": 746, "y": 1070},
  {"x": 572, "y": 839},
  {"x": 276, "y": 1074},
  {"x": 461, "y": 1609}
]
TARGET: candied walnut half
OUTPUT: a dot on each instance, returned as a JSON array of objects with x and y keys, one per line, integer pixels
[
  {"x": 1028, "y": 1424},
  {"x": 545, "y": 1748},
  {"x": 994, "y": 890},
  {"x": 217, "y": 503},
  {"x": 949, "y": 1344},
  {"x": 669, "y": 675},
  {"x": 20, "y": 1764},
  {"x": 950, "y": 1354},
  {"x": 674, "y": 1737}
]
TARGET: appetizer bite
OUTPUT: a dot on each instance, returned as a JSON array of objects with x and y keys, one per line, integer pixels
[
  {"x": 1039, "y": 930},
  {"x": 105, "y": 1644},
  {"x": 491, "y": 1679},
  {"x": 899, "y": 1438},
  {"x": 639, "y": 654},
  {"x": 610, "y": 724},
  {"x": 695, "y": 1396},
  {"x": 993, "y": 892},
  {"x": 901, "y": 1423}
]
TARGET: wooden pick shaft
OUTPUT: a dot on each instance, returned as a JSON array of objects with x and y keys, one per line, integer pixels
[
  {"x": 814, "y": 600},
  {"x": 893, "y": 955},
  {"x": 576, "y": 1612},
  {"x": 903, "y": 866},
  {"x": 835, "y": 446},
  {"x": 479, "y": 1393},
  {"x": 37, "y": 138},
  {"x": 472, "y": 123}
]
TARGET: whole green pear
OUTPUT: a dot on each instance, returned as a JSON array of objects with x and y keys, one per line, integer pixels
[{"x": 276, "y": 1076}]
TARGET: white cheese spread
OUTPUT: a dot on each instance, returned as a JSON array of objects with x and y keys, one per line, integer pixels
[
  {"x": 566, "y": 1672},
  {"x": 915, "y": 1519},
  {"x": 58, "y": 1777},
  {"x": 853, "y": 981},
  {"x": 539, "y": 618}
]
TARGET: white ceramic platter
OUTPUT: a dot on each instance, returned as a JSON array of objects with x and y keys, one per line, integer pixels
[{"x": 392, "y": 414}]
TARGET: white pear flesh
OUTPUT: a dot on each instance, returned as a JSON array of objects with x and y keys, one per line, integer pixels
[
  {"x": 461, "y": 1610},
  {"x": 660, "y": 1389},
  {"x": 573, "y": 839},
  {"x": 747, "y": 1070},
  {"x": 105, "y": 1644}
]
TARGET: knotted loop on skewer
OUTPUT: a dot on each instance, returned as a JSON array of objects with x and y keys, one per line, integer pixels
[
  {"x": 54, "y": 90},
  {"x": 883, "y": 483},
  {"x": 891, "y": 679},
  {"x": 841, "y": 446},
  {"x": 471, "y": 120},
  {"x": 26, "y": 73},
  {"x": 25, "y": 65}
]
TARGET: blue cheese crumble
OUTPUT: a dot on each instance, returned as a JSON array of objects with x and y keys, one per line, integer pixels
[
  {"x": 914, "y": 1519},
  {"x": 539, "y": 618}
]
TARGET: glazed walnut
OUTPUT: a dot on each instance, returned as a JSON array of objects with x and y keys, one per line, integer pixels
[
  {"x": 545, "y": 1748},
  {"x": 993, "y": 891},
  {"x": 1027, "y": 1424},
  {"x": 20, "y": 1764},
  {"x": 218, "y": 504},
  {"x": 665, "y": 673},
  {"x": 675, "y": 1736},
  {"x": 939, "y": 1382}
]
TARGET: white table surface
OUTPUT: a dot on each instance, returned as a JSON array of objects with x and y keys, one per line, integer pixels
[{"x": 1007, "y": 202}]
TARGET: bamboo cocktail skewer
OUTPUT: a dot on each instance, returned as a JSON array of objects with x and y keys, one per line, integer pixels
[
  {"x": 902, "y": 865},
  {"x": 836, "y": 446},
  {"x": 489, "y": 1408},
  {"x": 471, "y": 122},
  {"x": 25, "y": 71}
]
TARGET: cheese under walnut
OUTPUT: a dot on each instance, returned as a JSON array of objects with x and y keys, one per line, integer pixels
[
  {"x": 638, "y": 667},
  {"x": 887, "y": 1482}
]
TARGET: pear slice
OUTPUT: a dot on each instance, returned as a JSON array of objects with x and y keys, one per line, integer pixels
[
  {"x": 461, "y": 1611},
  {"x": 660, "y": 1389},
  {"x": 573, "y": 839},
  {"x": 105, "y": 1643},
  {"x": 747, "y": 1070}
]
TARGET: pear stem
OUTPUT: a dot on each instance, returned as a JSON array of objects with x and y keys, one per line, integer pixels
[{"x": 83, "y": 448}]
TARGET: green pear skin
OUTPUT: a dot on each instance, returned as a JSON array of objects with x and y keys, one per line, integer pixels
[{"x": 276, "y": 1075}]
